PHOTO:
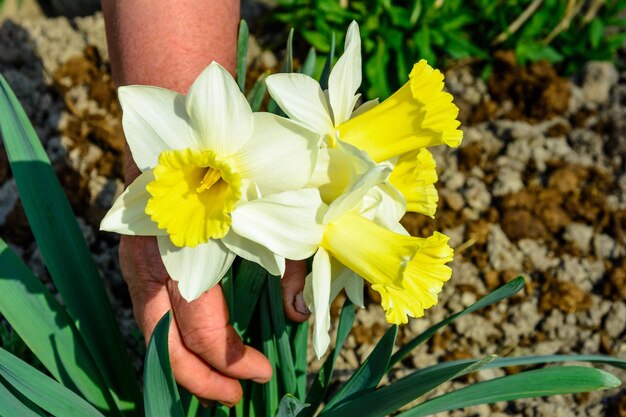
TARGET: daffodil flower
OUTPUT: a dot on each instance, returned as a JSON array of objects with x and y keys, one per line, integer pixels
[
  {"x": 357, "y": 235},
  {"x": 418, "y": 115},
  {"x": 203, "y": 157}
]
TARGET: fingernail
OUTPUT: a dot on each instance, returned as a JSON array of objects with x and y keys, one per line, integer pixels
[
  {"x": 300, "y": 305},
  {"x": 259, "y": 380}
]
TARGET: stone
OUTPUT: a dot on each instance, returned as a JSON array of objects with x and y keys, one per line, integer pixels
[
  {"x": 599, "y": 79},
  {"x": 502, "y": 253},
  {"x": 580, "y": 235}
]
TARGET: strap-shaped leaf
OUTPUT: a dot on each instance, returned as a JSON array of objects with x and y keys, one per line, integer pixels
[
  {"x": 10, "y": 405},
  {"x": 48, "y": 331},
  {"x": 42, "y": 390},
  {"x": 505, "y": 291},
  {"x": 270, "y": 389},
  {"x": 538, "y": 383},
  {"x": 160, "y": 394},
  {"x": 290, "y": 406},
  {"x": 308, "y": 66},
  {"x": 242, "y": 52},
  {"x": 371, "y": 371},
  {"x": 249, "y": 282},
  {"x": 328, "y": 65},
  {"x": 283, "y": 345},
  {"x": 300, "y": 350},
  {"x": 391, "y": 397},
  {"x": 257, "y": 92},
  {"x": 287, "y": 67},
  {"x": 63, "y": 247},
  {"x": 321, "y": 382}
]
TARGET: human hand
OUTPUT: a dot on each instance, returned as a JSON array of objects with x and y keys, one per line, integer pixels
[{"x": 206, "y": 353}]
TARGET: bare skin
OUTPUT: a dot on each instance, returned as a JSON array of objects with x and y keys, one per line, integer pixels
[{"x": 167, "y": 43}]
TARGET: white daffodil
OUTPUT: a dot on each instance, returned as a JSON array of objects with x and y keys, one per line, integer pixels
[
  {"x": 420, "y": 114},
  {"x": 204, "y": 157},
  {"x": 356, "y": 237}
]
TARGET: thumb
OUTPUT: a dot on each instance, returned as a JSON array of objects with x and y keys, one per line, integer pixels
[{"x": 292, "y": 285}]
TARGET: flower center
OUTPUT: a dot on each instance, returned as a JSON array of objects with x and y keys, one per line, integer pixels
[{"x": 193, "y": 194}]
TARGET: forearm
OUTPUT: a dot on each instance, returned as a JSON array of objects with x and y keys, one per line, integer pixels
[{"x": 168, "y": 43}]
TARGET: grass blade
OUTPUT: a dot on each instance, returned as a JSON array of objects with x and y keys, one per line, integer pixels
[
  {"x": 48, "y": 331},
  {"x": 393, "y": 396},
  {"x": 160, "y": 394},
  {"x": 286, "y": 365},
  {"x": 242, "y": 53},
  {"x": 322, "y": 379},
  {"x": 505, "y": 291},
  {"x": 63, "y": 247},
  {"x": 537, "y": 383},
  {"x": 42, "y": 390},
  {"x": 371, "y": 371}
]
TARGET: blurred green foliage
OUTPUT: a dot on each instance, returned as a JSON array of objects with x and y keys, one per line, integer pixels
[{"x": 398, "y": 33}]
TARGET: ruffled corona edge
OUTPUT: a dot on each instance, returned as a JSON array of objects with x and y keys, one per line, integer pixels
[{"x": 440, "y": 112}]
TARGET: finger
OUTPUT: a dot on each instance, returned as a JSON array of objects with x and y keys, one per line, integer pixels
[
  {"x": 293, "y": 284},
  {"x": 193, "y": 373},
  {"x": 205, "y": 330},
  {"x": 146, "y": 280}
]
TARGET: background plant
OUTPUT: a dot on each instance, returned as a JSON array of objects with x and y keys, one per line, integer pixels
[
  {"x": 87, "y": 371},
  {"x": 398, "y": 33}
]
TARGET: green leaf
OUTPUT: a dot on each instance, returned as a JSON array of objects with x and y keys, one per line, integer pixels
[
  {"x": 391, "y": 397},
  {"x": 63, "y": 248},
  {"x": 249, "y": 282},
  {"x": 505, "y": 291},
  {"x": 328, "y": 65},
  {"x": 371, "y": 371},
  {"x": 538, "y": 383},
  {"x": 308, "y": 66},
  {"x": 270, "y": 389},
  {"x": 321, "y": 382},
  {"x": 286, "y": 365},
  {"x": 286, "y": 67},
  {"x": 12, "y": 406},
  {"x": 300, "y": 350},
  {"x": 290, "y": 406},
  {"x": 48, "y": 331},
  {"x": 42, "y": 390},
  {"x": 160, "y": 394},
  {"x": 596, "y": 32},
  {"x": 242, "y": 53},
  {"x": 257, "y": 93}
]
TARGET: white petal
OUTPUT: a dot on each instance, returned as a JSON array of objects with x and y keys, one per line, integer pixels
[
  {"x": 368, "y": 105},
  {"x": 280, "y": 155},
  {"x": 353, "y": 197},
  {"x": 345, "y": 78},
  {"x": 346, "y": 278},
  {"x": 219, "y": 113},
  {"x": 285, "y": 223},
  {"x": 254, "y": 252},
  {"x": 128, "y": 214},
  {"x": 302, "y": 99},
  {"x": 320, "y": 283},
  {"x": 154, "y": 120},
  {"x": 384, "y": 205},
  {"x": 196, "y": 269}
]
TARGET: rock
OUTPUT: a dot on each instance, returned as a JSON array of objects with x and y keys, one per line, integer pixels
[
  {"x": 537, "y": 254},
  {"x": 580, "y": 235},
  {"x": 477, "y": 195},
  {"x": 453, "y": 199},
  {"x": 584, "y": 272},
  {"x": 615, "y": 322},
  {"x": 600, "y": 77},
  {"x": 502, "y": 253},
  {"x": 508, "y": 181}
]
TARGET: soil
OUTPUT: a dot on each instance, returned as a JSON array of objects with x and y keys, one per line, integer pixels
[{"x": 538, "y": 188}]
